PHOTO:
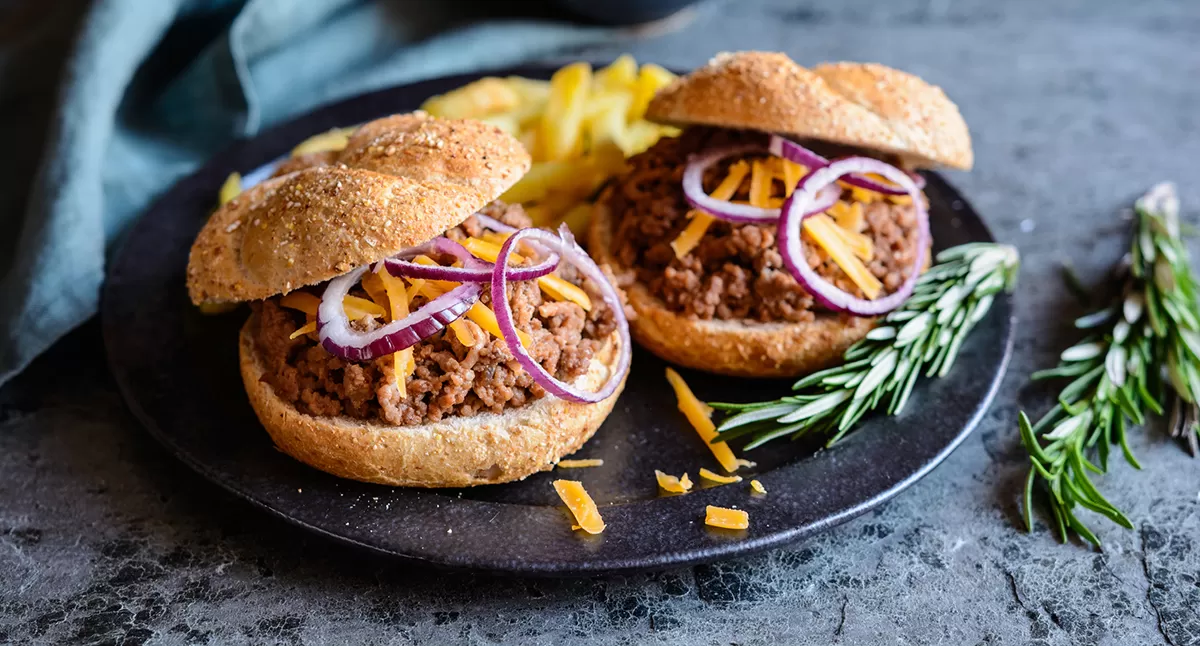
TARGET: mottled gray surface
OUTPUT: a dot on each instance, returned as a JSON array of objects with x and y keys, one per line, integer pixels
[{"x": 1075, "y": 108}]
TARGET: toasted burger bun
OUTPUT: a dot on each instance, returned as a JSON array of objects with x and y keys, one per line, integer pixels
[
  {"x": 864, "y": 105},
  {"x": 487, "y": 448},
  {"x": 400, "y": 181},
  {"x": 736, "y": 348}
]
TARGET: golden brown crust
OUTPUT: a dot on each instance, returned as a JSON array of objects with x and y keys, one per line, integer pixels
[
  {"x": 441, "y": 151},
  {"x": 855, "y": 104},
  {"x": 736, "y": 348},
  {"x": 400, "y": 182},
  {"x": 924, "y": 117},
  {"x": 455, "y": 452}
]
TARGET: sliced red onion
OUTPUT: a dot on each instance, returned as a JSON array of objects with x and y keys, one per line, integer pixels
[
  {"x": 488, "y": 222},
  {"x": 474, "y": 270},
  {"x": 339, "y": 339},
  {"x": 564, "y": 243},
  {"x": 693, "y": 190},
  {"x": 794, "y": 152},
  {"x": 797, "y": 208}
]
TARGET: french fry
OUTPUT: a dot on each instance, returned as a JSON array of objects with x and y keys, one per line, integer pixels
[
  {"x": 579, "y": 127},
  {"x": 605, "y": 122},
  {"x": 230, "y": 189},
  {"x": 640, "y": 136},
  {"x": 651, "y": 78},
  {"x": 560, "y": 137},
  {"x": 530, "y": 90},
  {"x": 620, "y": 75},
  {"x": 540, "y": 180},
  {"x": 505, "y": 121},
  {"x": 335, "y": 139},
  {"x": 577, "y": 219},
  {"x": 486, "y": 96}
]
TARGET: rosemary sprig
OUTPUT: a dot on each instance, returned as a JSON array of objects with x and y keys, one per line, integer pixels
[
  {"x": 1117, "y": 374},
  {"x": 924, "y": 334}
]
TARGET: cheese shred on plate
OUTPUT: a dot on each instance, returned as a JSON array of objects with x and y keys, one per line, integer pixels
[
  {"x": 714, "y": 477},
  {"x": 758, "y": 487},
  {"x": 581, "y": 505},
  {"x": 700, "y": 415},
  {"x": 671, "y": 484},
  {"x": 726, "y": 518},
  {"x": 580, "y": 464}
]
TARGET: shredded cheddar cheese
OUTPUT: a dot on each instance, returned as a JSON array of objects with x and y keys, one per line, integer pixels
[
  {"x": 823, "y": 232},
  {"x": 356, "y": 308},
  {"x": 758, "y": 487},
  {"x": 302, "y": 301},
  {"x": 484, "y": 317},
  {"x": 307, "y": 328},
  {"x": 671, "y": 484},
  {"x": 864, "y": 196},
  {"x": 582, "y": 507},
  {"x": 726, "y": 518},
  {"x": 792, "y": 174},
  {"x": 403, "y": 363},
  {"x": 840, "y": 235},
  {"x": 580, "y": 464},
  {"x": 700, "y": 415},
  {"x": 480, "y": 314},
  {"x": 848, "y": 216},
  {"x": 554, "y": 286},
  {"x": 859, "y": 244},
  {"x": 760, "y": 183},
  {"x": 370, "y": 308},
  {"x": 372, "y": 283},
  {"x": 685, "y": 242},
  {"x": 709, "y": 475}
]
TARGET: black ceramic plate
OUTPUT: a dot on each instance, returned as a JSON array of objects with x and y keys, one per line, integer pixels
[{"x": 178, "y": 371}]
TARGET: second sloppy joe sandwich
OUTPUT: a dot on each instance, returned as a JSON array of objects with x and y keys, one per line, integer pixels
[
  {"x": 407, "y": 329},
  {"x": 766, "y": 238}
]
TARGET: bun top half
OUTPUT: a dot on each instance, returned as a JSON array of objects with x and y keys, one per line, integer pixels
[
  {"x": 400, "y": 181},
  {"x": 865, "y": 105}
]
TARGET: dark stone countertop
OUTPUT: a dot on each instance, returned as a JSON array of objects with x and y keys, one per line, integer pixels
[{"x": 1076, "y": 106}]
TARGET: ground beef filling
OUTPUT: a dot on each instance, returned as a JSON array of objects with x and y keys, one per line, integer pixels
[
  {"x": 736, "y": 272},
  {"x": 450, "y": 379}
]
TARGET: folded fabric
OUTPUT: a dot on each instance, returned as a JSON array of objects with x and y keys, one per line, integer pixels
[{"x": 152, "y": 89}]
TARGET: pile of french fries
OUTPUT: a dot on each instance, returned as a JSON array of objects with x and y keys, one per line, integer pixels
[{"x": 579, "y": 126}]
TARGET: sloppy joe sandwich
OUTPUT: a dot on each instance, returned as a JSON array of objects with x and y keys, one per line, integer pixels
[
  {"x": 765, "y": 239},
  {"x": 406, "y": 328}
]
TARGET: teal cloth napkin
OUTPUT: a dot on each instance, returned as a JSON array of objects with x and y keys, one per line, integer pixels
[{"x": 151, "y": 88}]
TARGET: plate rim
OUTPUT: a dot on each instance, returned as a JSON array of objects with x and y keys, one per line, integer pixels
[{"x": 255, "y": 147}]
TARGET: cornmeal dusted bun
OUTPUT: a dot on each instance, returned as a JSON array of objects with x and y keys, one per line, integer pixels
[
  {"x": 864, "y": 105},
  {"x": 736, "y": 348},
  {"x": 487, "y": 448},
  {"x": 401, "y": 181}
]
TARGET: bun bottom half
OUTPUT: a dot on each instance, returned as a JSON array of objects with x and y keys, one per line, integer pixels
[
  {"x": 735, "y": 348},
  {"x": 487, "y": 448}
]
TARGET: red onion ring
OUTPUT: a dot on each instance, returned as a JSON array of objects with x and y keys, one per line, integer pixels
[
  {"x": 340, "y": 340},
  {"x": 571, "y": 252},
  {"x": 794, "y": 152},
  {"x": 473, "y": 271},
  {"x": 796, "y": 210},
  {"x": 693, "y": 190}
]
